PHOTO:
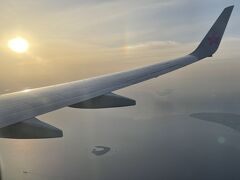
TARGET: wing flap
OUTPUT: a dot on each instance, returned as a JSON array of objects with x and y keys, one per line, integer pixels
[
  {"x": 110, "y": 100},
  {"x": 30, "y": 129}
]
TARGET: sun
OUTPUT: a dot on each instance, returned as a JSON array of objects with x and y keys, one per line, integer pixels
[{"x": 18, "y": 45}]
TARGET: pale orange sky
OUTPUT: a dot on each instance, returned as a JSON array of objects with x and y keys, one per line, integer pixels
[{"x": 71, "y": 40}]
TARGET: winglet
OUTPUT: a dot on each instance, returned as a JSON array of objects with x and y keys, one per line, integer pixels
[{"x": 211, "y": 41}]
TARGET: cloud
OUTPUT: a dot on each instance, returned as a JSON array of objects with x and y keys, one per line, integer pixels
[
  {"x": 77, "y": 39},
  {"x": 153, "y": 45}
]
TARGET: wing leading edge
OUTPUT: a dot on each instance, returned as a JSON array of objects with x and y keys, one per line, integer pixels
[{"x": 22, "y": 106}]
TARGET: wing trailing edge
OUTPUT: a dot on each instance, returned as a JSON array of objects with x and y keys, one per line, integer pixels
[
  {"x": 30, "y": 129},
  {"x": 110, "y": 100}
]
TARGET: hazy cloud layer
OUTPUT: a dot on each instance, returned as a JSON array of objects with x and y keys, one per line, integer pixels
[{"x": 74, "y": 39}]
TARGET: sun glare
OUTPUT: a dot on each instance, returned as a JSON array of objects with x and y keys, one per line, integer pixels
[{"x": 18, "y": 45}]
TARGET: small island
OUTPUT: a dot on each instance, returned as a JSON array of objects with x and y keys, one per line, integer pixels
[{"x": 100, "y": 150}]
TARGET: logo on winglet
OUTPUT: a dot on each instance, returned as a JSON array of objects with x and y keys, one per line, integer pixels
[{"x": 213, "y": 39}]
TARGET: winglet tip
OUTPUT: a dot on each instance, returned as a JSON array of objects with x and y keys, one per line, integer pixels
[
  {"x": 212, "y": 40},
  {"x": 230, "y": 8}
]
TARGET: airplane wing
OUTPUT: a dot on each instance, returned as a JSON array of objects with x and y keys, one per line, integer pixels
[{"x": 18, "y": 110}]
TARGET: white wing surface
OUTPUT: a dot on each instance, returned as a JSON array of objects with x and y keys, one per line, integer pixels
[{"x": 24, "y": 106}]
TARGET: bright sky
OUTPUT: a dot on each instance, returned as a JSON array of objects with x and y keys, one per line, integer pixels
[{"x": 74, "y": 39}]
